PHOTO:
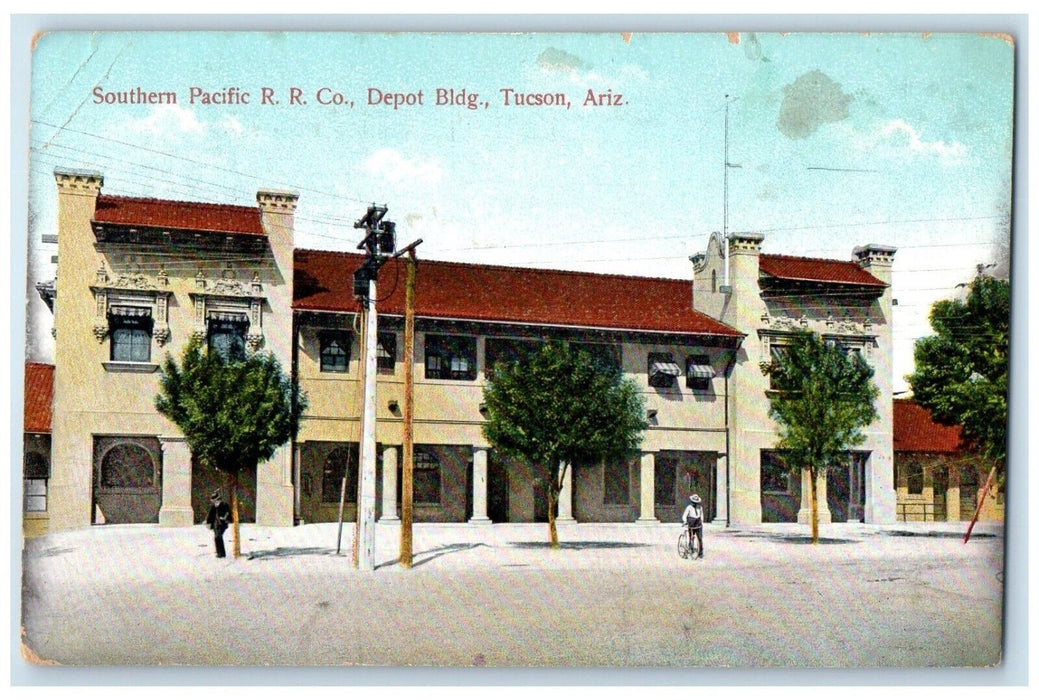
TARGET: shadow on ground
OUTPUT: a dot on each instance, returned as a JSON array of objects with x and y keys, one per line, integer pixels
[
  {"x": 420, "y": 558},
  {"x": 281, "y": 552},
  {"x": 957, "y": 535},
  {"x": 577, "y": 545},
  {"x": 794, "y": 538}
]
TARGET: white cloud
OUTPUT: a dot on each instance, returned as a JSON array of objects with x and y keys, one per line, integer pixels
[
  {"x": 166, "y": 118},
  {"x": 899, "y": 130},
  {"x": 391, "y": 165}
]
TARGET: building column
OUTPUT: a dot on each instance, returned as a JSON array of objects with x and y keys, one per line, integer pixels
[
  {"x": 566, "y": 495},
  {"x": 721, "y": 502},
  {"x": 804, "y": 515},
  {"x": 176, "y": 508},
  {"x": 389, "y": 484},
  {"x": 647, "y": 490},
  {"x": 952, "y": 495},
  {"x": 479, "y": 486}
]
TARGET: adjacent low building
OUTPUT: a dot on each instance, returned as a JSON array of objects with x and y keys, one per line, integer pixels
[
  {"x": 937, "y": 479},
  {"x": 139, "y": 277}
]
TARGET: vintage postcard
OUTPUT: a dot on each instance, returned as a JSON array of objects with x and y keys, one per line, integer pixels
[{"x": 517, "y": 350}]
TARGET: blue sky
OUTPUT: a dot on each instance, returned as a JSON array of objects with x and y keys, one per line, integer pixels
[{"x": 842, "y": 139}]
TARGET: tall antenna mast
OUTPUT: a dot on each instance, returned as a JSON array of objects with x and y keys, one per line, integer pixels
[{"x": 725, "y": 197}]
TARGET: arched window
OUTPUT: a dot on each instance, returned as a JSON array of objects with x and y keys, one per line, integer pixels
[
  {"x": 127, "y": 466},
  {"x": 714, "y": 280}
]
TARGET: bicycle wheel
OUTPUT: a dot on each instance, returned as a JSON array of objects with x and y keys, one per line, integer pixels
[
  {"x": 694, "y": 547},
  {"x": 683, "y": 544}
]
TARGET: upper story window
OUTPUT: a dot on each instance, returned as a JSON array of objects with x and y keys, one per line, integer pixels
[
  {"x": 508, "y": 350},
  {"x": 335, "y": 350},
  {"x": 130, "y": 330},
  {"x": 450, "y": 357},
  {"x": 662, "y": 370},
  {"x": 607, "y": 357},
  {"x": 698, "y": 372},
  {"x": 386, "y": 351},
  {"x": 777, "y": 380},
  {"x": 227, "y": 334}
]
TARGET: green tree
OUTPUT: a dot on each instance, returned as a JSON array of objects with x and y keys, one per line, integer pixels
[
  {"x": 823, "y": 396},
  {"x": 234, "y": 413},
  {"x": 961, "y": 371},
  {"x": 557, "y": 406}
]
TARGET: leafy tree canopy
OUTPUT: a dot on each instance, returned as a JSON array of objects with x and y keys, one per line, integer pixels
[
  {"x": 961, "y": 371},
  {"x": 234, "y": 413},
  {"x": 557, "y": 404},
  {"x": 827, "y": 396}
]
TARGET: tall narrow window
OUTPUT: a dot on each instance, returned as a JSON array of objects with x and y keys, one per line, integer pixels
[
  {"x": 35, "y": 474},
  {"x": 227, "y": 334},
  {"x": 131, "y": 333},
  {"x": 386, "y": 352},
  {"x": 616, "y": 484},
  {"x": 698, "y": 372},
  {"x": 426, "y": 478}
]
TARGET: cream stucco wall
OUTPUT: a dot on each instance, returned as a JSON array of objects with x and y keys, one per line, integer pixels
[{"x": 94, "y": 397}]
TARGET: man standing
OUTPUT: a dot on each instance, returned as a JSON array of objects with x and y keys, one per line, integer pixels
[
  {"x": 693, "y": 519},
  {"x": 219, "y": 516}
]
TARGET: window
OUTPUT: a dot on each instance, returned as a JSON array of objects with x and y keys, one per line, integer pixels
[
  {"x": 508, "y": 350},
  {"x": 450, "y": 357},
  {"x": 777, "y": 380},
  {"x": 775, "y": 476},
  {"x": 340, "y": 461},
  {"x": 335, "y": 351},
  {"x": 128, "y": 466},
  {"x": 425, "y": 481},
  {"x": 616, "y": 484},
  {"x": 662, "y": 370},
  {"x": 914, "y": 475},
  {"x": 226, "y": 334},
  {"x": 131, "y": 332},
  {"x": 386, "y": 352},
  {"x": 606, "y": 357},
  {"x": 35, "y": 473},
  {"x": 698, "y": 372}
]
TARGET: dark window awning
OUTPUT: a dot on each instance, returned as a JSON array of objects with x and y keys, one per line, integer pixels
[
  {"x": 228, "y": 316},
  {"x": 669, "y": 369},
  {"x": 129, "y": 311},
  {"x": 700, "y": 372}
]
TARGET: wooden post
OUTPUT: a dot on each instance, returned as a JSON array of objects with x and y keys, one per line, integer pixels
[
  {"x": 407, "y": 458},
  {"x": 981, "y": 502}
]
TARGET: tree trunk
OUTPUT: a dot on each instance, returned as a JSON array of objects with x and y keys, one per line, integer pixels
[
  {"x": 814, "y": 500},
  {"x": 555, "y": 478},
  {"x": 553, "y": 497},
  {"x": 232, "y": 481}
]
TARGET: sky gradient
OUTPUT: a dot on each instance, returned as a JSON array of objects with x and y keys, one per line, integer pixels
[{"x": 841, "y": 139}]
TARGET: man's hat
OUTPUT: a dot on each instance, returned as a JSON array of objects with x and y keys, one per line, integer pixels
[
  {"x": 215, "y": 496},
  {"x": 695, "y": 498}
]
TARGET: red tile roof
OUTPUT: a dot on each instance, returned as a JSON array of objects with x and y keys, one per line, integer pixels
[
  {"x": 448, "y": 290},
  {"x": 915, "y": 430},
  {"x": 168, "y": 214},
  {"x": 39, "y": 393},
  {"x": 817, "y": 270}
]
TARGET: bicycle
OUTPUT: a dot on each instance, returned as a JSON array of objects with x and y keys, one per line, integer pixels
[{"x": 687, "y": 549}]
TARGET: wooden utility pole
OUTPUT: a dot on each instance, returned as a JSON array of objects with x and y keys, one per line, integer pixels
[
  {"x": 408, "y": 456},
  {"x": 981, "y": 502}
]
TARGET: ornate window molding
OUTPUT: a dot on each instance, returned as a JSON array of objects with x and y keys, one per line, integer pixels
[
  {"x": 228, "y": 295},
  {"x": 134, "y": 290}
]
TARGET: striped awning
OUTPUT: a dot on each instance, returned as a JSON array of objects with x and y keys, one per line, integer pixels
[
  {"x": 129, "y": 311},
  {"x": 670, "y": 369},
  {"x": 229, "y": 316},
  {"x": 700, "y": 372}
]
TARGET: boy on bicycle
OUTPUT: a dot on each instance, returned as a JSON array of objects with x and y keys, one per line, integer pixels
[{"x": 693, "y": 519}]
